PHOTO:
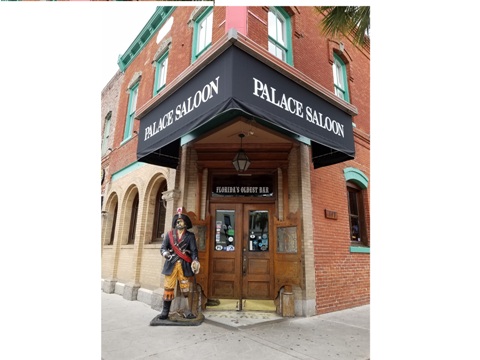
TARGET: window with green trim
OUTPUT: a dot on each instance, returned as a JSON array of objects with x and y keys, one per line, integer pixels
[
  {"x": 132, "y": 107},
  {"x": 357, "y": 184},
  {"x": 160, "y": 74},
  {"x": 340, "y": 83},
  {"x": 280, "y": 34},
  {"x": 356, "y": 210},
  {"x": 202, "y": 33},
  {"x": 106, "y": 133}
]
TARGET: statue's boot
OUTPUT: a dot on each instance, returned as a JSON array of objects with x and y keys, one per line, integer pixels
[
  {"x": 166, "y": 309},
  {"x": 188, "y": 314}
]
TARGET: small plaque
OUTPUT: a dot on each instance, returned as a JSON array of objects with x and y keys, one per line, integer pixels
[{"x": 330, "y": 214}]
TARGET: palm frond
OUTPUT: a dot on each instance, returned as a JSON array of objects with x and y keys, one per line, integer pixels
[{"x": 346, "y": 20}]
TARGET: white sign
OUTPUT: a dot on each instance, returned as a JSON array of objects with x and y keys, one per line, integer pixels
[
  {"x": 296, "y": 107},
  {"x": 201, "y": 96}
]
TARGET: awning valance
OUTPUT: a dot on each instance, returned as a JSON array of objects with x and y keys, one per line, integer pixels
[{"x": 237, "y": 81}]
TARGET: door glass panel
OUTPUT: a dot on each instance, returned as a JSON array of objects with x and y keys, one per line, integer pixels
[
  {"x": 258, "y": 231},
  {"x": 225, "y": 230}
]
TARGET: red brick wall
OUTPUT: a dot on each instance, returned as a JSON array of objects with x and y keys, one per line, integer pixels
[
  {"x": 342, "y": 278},
  {"x": 257, "y": 29}
]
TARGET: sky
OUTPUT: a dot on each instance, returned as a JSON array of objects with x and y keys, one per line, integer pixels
[
  {"x": 121, "y": 24},
  {"x": 55, "y": 59}
]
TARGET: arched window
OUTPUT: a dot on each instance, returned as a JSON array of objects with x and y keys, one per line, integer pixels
[
  {"x": 114, "y": 223},
  {"x": 356, "y": 215},
  {"x": 159, "y": 219},
  {"x": 357, "y": 183},
  {"x": 133, "y": 221}
]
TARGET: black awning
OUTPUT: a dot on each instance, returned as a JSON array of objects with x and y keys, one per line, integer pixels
[
  {"x": 236, "y": 80},
  {"x": 167, "y": 155}
]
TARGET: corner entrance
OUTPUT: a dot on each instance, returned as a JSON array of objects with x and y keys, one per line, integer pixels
[{"x": 241, "y": 274}]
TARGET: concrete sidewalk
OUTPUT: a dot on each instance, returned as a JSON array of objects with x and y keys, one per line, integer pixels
[{"x": 127, "y": 335}]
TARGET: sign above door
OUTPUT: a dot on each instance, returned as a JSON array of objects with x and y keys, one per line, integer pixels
[{"x": 234, "y": 185}]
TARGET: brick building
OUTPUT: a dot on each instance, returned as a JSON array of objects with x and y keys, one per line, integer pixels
[
  {"x": 200, "y": 87},
  {"x": 110, "y": 96}
]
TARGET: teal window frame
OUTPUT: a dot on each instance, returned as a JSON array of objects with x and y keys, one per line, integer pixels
[
  {"x": 106, "y": 133},
  {"x": 340, "y": 79},
  {"x": 357, "y": 177},
  {"x": 132, "y": 107},
  {"x": 161, "y": 67},
  {"x": 274, "y": 40},
  {"x": 196, "y": 52}
]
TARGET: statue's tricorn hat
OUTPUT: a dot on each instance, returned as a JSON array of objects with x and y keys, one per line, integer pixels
[{"x": 185, "y": 218}]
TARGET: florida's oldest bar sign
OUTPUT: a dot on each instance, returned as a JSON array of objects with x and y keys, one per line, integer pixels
[{"x": 242, "y": 190}]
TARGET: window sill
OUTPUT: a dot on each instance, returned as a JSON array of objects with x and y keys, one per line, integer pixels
[
  {"x": 360, "y": 249},
  {"x": 159, "y": 90},
  {"x": 195, "y": 57},
  {"x": 126, "y": 140}
]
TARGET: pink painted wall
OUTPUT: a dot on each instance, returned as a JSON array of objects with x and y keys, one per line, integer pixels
[{"x": 236, "y": 17}]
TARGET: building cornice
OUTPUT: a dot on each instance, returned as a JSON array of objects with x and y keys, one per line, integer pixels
[{"x": 156, "y": 21}]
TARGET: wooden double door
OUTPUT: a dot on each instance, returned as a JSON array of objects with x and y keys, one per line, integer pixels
[{"x": 241, "y": 266}]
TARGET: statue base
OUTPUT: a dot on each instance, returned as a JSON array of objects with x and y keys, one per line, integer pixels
[{"x": 177, "y": 319}]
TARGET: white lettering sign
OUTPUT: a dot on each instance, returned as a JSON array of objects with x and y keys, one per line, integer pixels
[
  {"x": 242, "y": 190},
  {"x": 295, "y": 107},
  {"x": 187, "y": 106}
]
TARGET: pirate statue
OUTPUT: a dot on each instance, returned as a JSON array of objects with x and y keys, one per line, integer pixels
[{"x": 179, "y": 248}]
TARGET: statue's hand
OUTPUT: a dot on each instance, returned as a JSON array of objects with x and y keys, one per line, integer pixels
[
  {"x": 167, "y": 255},
  {"x": 195, "y": 266}
]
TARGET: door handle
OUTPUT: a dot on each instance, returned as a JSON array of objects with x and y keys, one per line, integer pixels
[{"x": 244, "y": 266}]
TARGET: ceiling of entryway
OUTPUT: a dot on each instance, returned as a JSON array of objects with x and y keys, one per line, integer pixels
[{"x": 265, "y": 148}]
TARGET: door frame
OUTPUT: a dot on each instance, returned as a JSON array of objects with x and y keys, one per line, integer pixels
[{"x": 235, "y": 262}]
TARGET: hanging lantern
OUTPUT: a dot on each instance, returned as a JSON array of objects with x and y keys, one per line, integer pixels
[{"x": 241, "y": 160}]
